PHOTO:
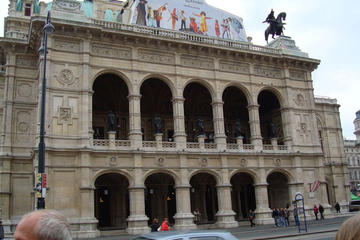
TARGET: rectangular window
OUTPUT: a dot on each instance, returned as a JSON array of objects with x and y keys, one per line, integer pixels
[{"x": 28, "y": 9}]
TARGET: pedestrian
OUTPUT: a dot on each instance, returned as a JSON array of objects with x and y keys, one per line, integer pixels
[
  {"x": 2, "y": 235},
  {"x": 164, "y": 225},
  {"x": 43, "y": 225},
  {"x": 296, "y": 216},
  {"x": 350, "y": 229},
  {"x": 337, "y": 207},
  {"x": 282, "y": 217},
  {"x": 155, "y": 225},
  {"x": 287, "y": 216},
  {"x": 316, "y": 210},
  {"x": 251, "y": 218},
  {"x": 321, "y": 210},
  {"x": 275, "y": 215}
]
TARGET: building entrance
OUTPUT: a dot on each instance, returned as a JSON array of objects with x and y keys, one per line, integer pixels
[
  {"x": 160, "y": 198},
  {"x": 278, "y": 190},
  {"x": 111, "y": 201}
]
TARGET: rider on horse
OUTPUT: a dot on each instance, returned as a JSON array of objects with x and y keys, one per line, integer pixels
[{"x": 271, "y": 20}]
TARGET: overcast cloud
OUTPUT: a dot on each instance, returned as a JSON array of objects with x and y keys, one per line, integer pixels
[{"x": 326, "y": 29}]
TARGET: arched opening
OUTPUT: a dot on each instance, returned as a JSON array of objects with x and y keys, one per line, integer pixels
[
  {"x": 112, "y": 201},
  {"x": 242, "y": 195},
  {"x": 204, "y": 198},
  {"x": 278, "y": 190},
  {"x": 110, "y": 99},
  {"x": 198, "y": 113},
  {"x": 160, "y": 198},
  {"x": 236, "y": 115},
  {"x": 156, "y": 110},
  {"x": 270, "y": 117}
]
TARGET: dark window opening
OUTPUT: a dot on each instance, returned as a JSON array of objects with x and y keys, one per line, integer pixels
[{"x": 28, "y": 9}]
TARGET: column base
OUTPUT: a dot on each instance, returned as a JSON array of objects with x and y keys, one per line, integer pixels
[
  {"x": 263, "y": 216},
  {"x": 184, "y": 221},
  {"x": 84, "y": 227},
  {"x": 138, "y": 225},
  {"x": 226, "y": 219}
]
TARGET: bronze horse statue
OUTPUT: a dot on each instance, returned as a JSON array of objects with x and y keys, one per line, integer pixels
[{"x": 276, "y": 27}]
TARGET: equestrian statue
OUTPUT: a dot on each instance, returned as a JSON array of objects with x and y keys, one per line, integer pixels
[{"x": 276, "y": 25}]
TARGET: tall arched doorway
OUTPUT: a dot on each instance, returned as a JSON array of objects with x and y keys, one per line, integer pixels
[
  {"x": 278, "y": 190},
  {"x": 242, "y": 195},
  {"x": 236, "y": 115},
  {"x": 112, "y": 201},
  {"x": 156, "y": 103},
  {"x": 110, "y": 94},
  {"x": 204, "y": 197},
  {"x": 160, "y": 198},
  {"x": 270, "y": 117},
  {"x": 197, "y": 106}
]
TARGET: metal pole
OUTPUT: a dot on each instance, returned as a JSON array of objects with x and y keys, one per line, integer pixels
[{"x": 41, "y": 157}]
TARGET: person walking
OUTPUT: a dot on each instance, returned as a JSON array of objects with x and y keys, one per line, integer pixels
[
  {"x": 164, "y": 225},
  {"x": 275, "y": 215},
  {"x": 296, "y": 216},
  {"x": 337, "y": 207},
  {"x": 2, "y": 235},
  {"x": 155, "y": 225},
  {"x": 251, "y": 217},
  {"x": 287, "y": 215},
  {"x": 321, "y": 210},
  {"x": 316, "y": 210}
]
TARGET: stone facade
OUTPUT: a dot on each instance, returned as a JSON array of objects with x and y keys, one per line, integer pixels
[{"x": 115, "y": 179}]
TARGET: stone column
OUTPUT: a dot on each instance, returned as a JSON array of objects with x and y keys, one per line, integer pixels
[
  {"x": 286, "y": 125},
  {"x": 240, "y": 142},
  {"x": 158, "y": 140},
  {"x": 254, "y": 121},
  {"x": 225, "y": 216},
  {"x": 137, "y": 221},
  {"x": 135, "y": 134},
  {"x": 179, "y": 123},
  {"x": 184, "y": 219},
  {"x": 112, "y": 140},
  {"x": 262, "y": 211},
  {"x": 219, "y": 127},
  {"x": 274, "y": 143}
]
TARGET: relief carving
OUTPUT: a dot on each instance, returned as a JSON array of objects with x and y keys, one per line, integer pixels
[
  {"x": 297, "y": 75},
  {"x": 299, "y": 100},
  {"x": 233, "y": 67},
  {"x": 160, "y": 162},
  {"x": 156, "y": 57},
  {"x": 23, "y": 127},
  {"x": 113, "y": 162},
  {"x": 277, "y": 162},
  {"x": 64, "y": 45},
  {"x": 104, "y": 51},
  {"x": 243, "y": 162},
  {"x": 24, "y": 90},
  {"x": 64, "y": 115},
  {"x": 68, "y": 5},
  {"x": 66, "y": 77},
  {"x": 267, "y": 72},
  {"x": 203, "y": 162},
  {"x": 197, "y": 62}
]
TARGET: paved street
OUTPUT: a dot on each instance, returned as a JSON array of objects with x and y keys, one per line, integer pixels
[{"x": 319, "y": 230}]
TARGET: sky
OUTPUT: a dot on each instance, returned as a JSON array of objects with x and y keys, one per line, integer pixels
[{"x": 327, "y": 30}]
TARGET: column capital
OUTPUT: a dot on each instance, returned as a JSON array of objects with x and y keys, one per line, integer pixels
[{"x": 136, "y": 187}]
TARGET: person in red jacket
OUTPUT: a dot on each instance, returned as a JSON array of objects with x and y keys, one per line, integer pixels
[
  {"x": 164, "y": 225},
  {"x": 316, "y": 210}
]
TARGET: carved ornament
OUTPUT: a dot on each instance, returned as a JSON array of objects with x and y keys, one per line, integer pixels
[
  {"x": 243, "y": 162},
  {"x": 195, "y": 62},
  {"x": 64, "y": 115},
  {"x": 203, "y": 162},
  {"x": 267, "y": 71},
  {"x": 66, "y": 45},
  {"x": 24, "y": 90},
  {"x": 233, "y": 67},
  {"x": 66, "y": 77},
  {"x": 299, "y": 100},
  {"x": 156, "y": 57},
  {"x": 297, "y": 75},
  {"x": 105, "y": 51},
  {"x": 113, "y": 162}
]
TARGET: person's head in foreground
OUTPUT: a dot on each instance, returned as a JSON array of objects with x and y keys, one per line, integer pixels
[
  {"x": 350, "y": 229},
  {"x": 43, "y": 225}
]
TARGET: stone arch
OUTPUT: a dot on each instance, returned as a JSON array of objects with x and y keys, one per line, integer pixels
[
  {"x": 242, "y": 88},
  {"x": 250, "y": 172},
  {"x": 117, "y": 171},
  {"x": 120, "y": 74},
  {"x": 173, "y": 174},
  {"x": 202, "y": 82},
  {"x": 160, "y": 196},
  {"x": 278, "y": 189},
  {"x": 287, "y": 173},
  {"x": 161, "y": 77},
  {"x": 274, "y": 91},
  {"x": 112, "y": 204},
  {"x": 211, "y": 172}
]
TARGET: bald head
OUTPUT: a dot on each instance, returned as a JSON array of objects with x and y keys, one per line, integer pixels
[{"x": 43, "y": 225}]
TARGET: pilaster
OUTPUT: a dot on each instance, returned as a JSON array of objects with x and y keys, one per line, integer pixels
[
  {"x": 254, "y": 121},
  {"x": 179, "y": 123},
  {"x": 219, "y": 127},
  {"x": 135, "y": 134}
]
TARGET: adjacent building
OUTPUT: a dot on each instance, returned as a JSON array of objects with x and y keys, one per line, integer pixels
[
  {"x": 352, "y": 154},
  {"x": 156, "y": 110}
]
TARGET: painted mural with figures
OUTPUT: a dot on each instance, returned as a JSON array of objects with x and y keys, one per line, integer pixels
[{"x": 192, "y": 16}]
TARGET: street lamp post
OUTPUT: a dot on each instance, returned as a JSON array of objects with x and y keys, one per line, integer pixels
[{"x": 41, "y": 184}]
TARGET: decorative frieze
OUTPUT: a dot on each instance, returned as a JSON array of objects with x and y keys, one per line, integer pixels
[
  {"x": 297, "y": 75},
  {"x": 66, "y": 45},
  {"x": 269, "y": 72},
  {"x": 299, "y": 100},
  {"x": 64, "y": 115},
  {"x": 234, "y": 67},
  {"x": 196, "y": 62},
  {"x": 112, "y": 52},
  {"x": 155, "y": 57},
  {"x": 66, "y": 75}
]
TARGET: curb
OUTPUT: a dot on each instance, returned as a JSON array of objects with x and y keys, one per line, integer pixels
[{"x": 293, "y": 235}]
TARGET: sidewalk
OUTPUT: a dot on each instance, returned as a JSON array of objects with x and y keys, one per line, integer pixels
[{"x": 269, "y": 231}]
